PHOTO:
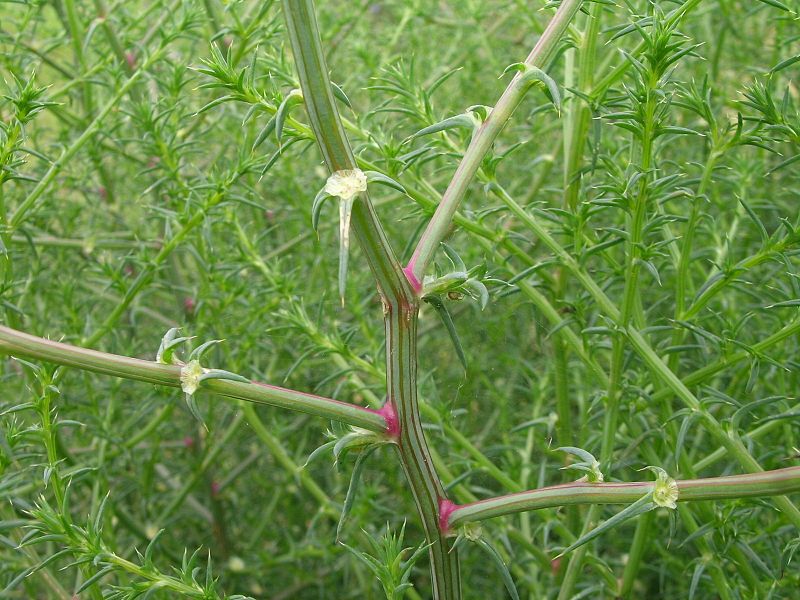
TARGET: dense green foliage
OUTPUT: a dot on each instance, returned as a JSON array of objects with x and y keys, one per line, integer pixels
[{"x": 146, "y": 185}]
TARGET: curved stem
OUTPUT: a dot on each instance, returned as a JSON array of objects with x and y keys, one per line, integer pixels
[
  {"x": 765, "y": 483},
  {"x": 17, "y": 343}
]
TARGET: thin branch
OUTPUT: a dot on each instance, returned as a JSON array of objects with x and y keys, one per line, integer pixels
[
  {"x": 766, "y": 483},
  {"x": 483, "y": 140},
  {"x": 16, "y": 343}
]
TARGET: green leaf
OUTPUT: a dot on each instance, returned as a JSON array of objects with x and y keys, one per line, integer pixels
[
  {"x": 191, "y": 404},
  {"x": 316, "y": 208},
  {"x": 590, "y": 465},
  {"x": 698, "y": 573},
  {"x": 531, "y": 75},
  {"x": 641, "y": 506},
  {"x": 762, "y": 229},
  {"x": 579, "y": 452},
  {"x": 455, "y": 259},
  {"x": 294, "y": 98},
  {"x": 776, "y": 4},
  {"x": 148, "y": 552},
  {"x": 501, "y": 567},
  {"x": 478, "y": 290},
  {"x": 319, "y": 451},
  {"x": 264, "y": 133},
  {"x": 785, "y": 63},
  {"x": 354, "y": 439},
  {"x": 462, "y": 121},
  {"x": 198, "y": 352},
  {"x": 380, "y": 178},
  {"x": 94, "y": 579},
  {"x": 169, "y": 343},
  {"x": 220, "y": 374},
  {"x": 352, "y": 489},
  {"x": 785, "y": 163},
  {"x": 339, "y": 94},
  {"x": 447, "y": 319}
]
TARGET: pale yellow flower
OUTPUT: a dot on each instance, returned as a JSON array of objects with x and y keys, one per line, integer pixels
[
  {"x": 190, "y": 376},
  {"x": 665, "y": 491},
  {"x": 346, "y": 184}
]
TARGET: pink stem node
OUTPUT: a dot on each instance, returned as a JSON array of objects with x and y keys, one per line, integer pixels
[
  {"x": 388, "y": 412},
  {"x": 416, "y": 284},
  {"x": 446, "y": 508}
]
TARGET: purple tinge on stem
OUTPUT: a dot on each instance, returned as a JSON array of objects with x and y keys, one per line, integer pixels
[
  {"x": 388, "y": 412},
  {"x": 416, "y": 285},
  {"x": 446, "y": 508}
]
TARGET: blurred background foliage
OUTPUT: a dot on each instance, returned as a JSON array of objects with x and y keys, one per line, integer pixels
[{"x": 185, "y": 209}]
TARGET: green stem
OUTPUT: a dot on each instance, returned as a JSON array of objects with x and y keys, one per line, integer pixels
[
  {"x": 766, "y": 483},
  {"x": 484, "y": 138},
  {"x": 399, "y": 300},
  {"x": 638, "y": 546},
  {"x": 730, "y": 440},
  {"x": 22, "y": 344}
]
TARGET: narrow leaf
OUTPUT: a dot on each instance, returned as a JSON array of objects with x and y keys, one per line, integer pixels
[
  {"x": 462, "y": 121},
  {"x": 345, "y": 212},
  {"x": 198, "y": 352},
  {"x": 338, "y": 92},
  {"x": 447, "y": 319},
  {"x": 641, "y": 506},
  {"x": 293, "y": 99},
  {"x": 316, "y": 207},
  {"x": 352, "y": 489},
  {"x": 380, "y": 178},
  {"x": 220, "y": 374},
  {"x": 501, "y": 567}
]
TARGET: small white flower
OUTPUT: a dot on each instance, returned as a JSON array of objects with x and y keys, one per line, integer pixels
[
  {"x": 665, "y": 491},
  {"x": 190, "y": 376},
  {"x": 236, "y": 564},
  {"x": 346, "y": 184},
  {"x": 151, "y": 531},
  {"x": 595, "y": 474}
]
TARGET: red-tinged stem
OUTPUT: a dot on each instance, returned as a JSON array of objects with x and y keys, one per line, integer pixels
[
  {"x": 398, "y": 293},
  {"x": 17, "y": 343},
  {"x": 763, "y": 484}
]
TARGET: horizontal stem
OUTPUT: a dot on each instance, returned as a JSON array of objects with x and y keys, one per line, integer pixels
[
  {"x": 765, "y": 483},
  {"x": 22, "y": 344},
  {"x": 86, "y": 244}
]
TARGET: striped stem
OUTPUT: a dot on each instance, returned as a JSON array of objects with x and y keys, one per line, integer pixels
[
  {"x": 399, "y": 299},
  {"x": 765, "y": 483},
  {"x": 16, "y": 343}
]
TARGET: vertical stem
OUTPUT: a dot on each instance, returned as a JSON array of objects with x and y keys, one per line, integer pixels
[
  {"x": 401, "y": 375},
  {"x": 401, "y": 305}
]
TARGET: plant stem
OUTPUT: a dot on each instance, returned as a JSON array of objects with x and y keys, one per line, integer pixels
[
  {"x": 765, "y": 483},
  {"x": 400, "y": 303},
  {"x": 484, "y": 138},
  {"x": 730, "y": 440},
  {"x": 22, "y": 344}
]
